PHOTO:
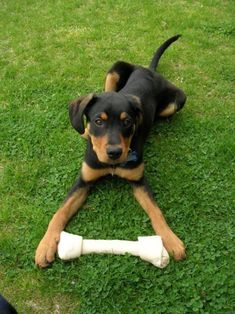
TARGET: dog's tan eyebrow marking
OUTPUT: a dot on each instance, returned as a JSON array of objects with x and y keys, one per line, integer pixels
[
  {"x": 123, "y": 115},
  {"x": 104, "y": 116}
]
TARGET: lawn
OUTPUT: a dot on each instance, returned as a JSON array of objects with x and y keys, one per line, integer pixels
[{"x": 54, "y": 51}]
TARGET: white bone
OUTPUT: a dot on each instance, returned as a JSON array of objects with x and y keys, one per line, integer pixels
[{"x": 149, "y": 248}]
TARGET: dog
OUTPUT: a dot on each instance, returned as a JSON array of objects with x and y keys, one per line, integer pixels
[{"x": 117, "y": 124}]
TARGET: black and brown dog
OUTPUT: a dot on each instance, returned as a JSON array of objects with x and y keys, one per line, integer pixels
[{"x": 118, "y": 122}]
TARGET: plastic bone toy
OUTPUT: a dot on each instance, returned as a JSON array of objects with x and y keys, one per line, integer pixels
[{"x": 149, "y": 248}]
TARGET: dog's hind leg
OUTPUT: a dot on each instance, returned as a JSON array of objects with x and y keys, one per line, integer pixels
[
  {"x": 168, "y": 111},
  {"x": 117, "y": 76},
  {"x": 172, "y": 100}
]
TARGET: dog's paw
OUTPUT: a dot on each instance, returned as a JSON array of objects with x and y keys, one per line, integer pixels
[
  {"x": 174, "y": 245},
  {"x": 46, "y": 250}
]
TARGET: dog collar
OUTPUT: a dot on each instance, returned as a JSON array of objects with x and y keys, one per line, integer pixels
[{"x": 131, "y": 157}]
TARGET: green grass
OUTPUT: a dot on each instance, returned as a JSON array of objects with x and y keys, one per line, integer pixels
[{"x": 53, "y": 51}]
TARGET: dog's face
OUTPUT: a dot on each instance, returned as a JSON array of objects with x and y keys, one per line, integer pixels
[{"x": 112, "y": 120}]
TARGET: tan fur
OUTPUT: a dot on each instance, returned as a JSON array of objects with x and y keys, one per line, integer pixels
[
  {"x": 89, "y": 174},
  {"x": 85, "y": 134},
  {"x": 168, "y": 111},
  {"x": 130, "y": 174},
  {"x": 104, "y": 116},
  {"x": 99, "y": 145},
  {"x": 171, "y": 242},
  {"x": 125, "y": 144},
  {"x": 46, "y": 250},
  {"x": 123, "y": 115},
  {"x": 111, "y": 82}
]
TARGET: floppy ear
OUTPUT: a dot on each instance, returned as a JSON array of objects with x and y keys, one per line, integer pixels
[
  {"x": 77, "y": 111},
  {"x": 137, "y": 105}
]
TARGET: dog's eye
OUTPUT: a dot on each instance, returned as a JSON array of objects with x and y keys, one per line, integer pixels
[
  {"x": 99, "y": 121},
  {"x": 127, "y": 122}
]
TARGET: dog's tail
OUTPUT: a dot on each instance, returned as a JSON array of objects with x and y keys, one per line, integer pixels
[{"x": 154, "y": 63}]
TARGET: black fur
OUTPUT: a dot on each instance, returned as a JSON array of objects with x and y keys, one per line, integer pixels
[
  {"x": 152, "y": 89},
  {"x": 154, "y": 63},
  {"x": 119, "y": 120}
]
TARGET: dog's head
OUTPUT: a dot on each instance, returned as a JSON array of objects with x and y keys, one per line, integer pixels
[{"x": 111, "y": 121}]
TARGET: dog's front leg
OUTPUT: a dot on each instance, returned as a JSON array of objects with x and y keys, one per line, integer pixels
[
  {"x": 171, "y": 242},
  {"x": 45, "y": 253}
]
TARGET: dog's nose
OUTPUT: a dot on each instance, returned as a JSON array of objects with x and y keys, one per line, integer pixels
[{"x": 114, "y": 152}]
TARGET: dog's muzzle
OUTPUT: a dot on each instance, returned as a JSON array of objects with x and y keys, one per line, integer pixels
[{"x": 114, "y": 152}]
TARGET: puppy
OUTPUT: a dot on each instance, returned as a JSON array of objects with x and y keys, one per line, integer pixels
[{"x": 117, "y": 124}]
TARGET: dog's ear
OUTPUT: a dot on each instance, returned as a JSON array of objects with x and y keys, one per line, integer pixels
[
  {"x": 77, "y": 110},
  {"x": 138, "y": 108}
]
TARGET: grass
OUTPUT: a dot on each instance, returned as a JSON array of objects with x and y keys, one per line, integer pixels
[{"x": 51, "y": 52}]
